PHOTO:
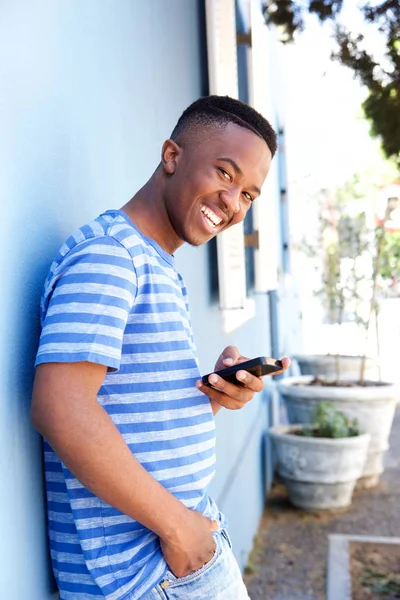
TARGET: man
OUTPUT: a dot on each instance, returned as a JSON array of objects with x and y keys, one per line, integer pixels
[{"x": 129, "y": 427}]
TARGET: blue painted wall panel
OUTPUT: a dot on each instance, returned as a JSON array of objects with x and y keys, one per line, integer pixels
[
  {"x": 240, "y": 454},
  {"x": 88, "y": 92}
]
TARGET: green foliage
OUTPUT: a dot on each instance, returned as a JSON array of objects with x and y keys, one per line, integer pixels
[
  {"x": 327, "y": 422},
  {"x": 357, "y": 261},
  {"x": 343, "y": 250},
  {"x": 382, "y": 106},
  {"x": 382, "y": 584},
  {"x": 286, "y": 14},
  {"x": 289, "y": 13},
  {"x": 390, "y": 264}
]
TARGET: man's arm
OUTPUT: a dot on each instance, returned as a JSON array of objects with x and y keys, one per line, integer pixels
[{"x": 65, "y": 410}]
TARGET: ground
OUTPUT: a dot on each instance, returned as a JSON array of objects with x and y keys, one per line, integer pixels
[{"x": 290, "y": 552}]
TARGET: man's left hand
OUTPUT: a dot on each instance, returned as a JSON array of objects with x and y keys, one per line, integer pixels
[{"x": 230, "y": 395}]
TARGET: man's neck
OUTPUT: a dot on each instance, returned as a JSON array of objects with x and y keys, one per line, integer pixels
[{"x": 147, "y": 210}]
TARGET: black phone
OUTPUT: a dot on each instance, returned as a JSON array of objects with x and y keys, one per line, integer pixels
[{"x": 262, "y": 365}]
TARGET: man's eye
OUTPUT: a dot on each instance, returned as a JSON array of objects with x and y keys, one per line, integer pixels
[
  {"x": 248, "y": 196},
  {"x": 225, "y": 174}
]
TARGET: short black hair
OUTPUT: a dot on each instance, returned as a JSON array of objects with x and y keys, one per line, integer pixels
[{"x": 218, "y": 111}]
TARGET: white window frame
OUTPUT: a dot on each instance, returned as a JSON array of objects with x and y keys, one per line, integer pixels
[{"x": 223, "y": 80}]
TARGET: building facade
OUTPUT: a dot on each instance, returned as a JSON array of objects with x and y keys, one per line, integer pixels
[{"x": 88, "y": 92}]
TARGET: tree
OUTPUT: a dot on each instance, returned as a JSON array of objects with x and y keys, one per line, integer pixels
[{"x": 381, "y": 77}]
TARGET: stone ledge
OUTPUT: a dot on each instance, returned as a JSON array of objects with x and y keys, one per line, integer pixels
[{"x": 338, "y": 583}]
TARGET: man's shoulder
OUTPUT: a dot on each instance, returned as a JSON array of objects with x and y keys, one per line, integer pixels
[
  {"x": 109, "y": 232},
  {"x": 118, "y": 226}
]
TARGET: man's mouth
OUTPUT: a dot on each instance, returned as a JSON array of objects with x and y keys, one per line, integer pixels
[{"x": 213, "y": 219}]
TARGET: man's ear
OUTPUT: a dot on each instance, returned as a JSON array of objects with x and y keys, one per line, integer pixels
[{"x": 170, "y": 155}]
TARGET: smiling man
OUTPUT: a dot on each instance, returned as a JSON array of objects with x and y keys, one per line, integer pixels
[{"x": 129, "y": 427}]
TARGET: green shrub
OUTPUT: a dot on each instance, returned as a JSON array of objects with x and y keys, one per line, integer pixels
[{"x": 327, "y": 422}]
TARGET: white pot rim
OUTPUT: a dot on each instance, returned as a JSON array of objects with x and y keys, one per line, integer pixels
[
  {"x": 289, "y": 386},
  {"x": 312, "y": 357}
]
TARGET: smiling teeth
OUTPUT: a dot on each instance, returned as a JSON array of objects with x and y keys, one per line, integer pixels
[{"x": 211, "y": 216}]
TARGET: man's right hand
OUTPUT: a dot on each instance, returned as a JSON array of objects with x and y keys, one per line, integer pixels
[{"x": 190, "y": 546}]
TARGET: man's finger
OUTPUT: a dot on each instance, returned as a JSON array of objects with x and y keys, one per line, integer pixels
[
  {"x": 246, "y": 379},
  {"x": 231, "y": 352},
  {"x": 254, "y": 383},
  {"x": 225, "y": 400},
  {"x": 228, "y": 362},
  {"x": 236, "y": 391},
  {"x": 214, "y": 525},
  {"x": 286, "y": 362}
]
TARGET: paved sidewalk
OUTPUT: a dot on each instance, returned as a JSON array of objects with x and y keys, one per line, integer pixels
[{"x": 290, "y": 554}]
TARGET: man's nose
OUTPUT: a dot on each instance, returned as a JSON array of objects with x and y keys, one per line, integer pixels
[{"x": 231, "y": 199}]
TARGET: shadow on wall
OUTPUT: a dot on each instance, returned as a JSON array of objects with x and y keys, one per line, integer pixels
[{"x": 42, "y": 236}]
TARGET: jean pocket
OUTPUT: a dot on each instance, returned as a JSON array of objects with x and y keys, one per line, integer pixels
[
  {"x": 226, "y": 535},
  {"x": 173, "y": 580}
]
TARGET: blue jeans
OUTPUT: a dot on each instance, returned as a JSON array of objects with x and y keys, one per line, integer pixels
[{"x": 219, "y": 579}]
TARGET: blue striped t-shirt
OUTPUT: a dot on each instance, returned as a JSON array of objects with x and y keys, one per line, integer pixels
[{"x": 113, "y": 297}]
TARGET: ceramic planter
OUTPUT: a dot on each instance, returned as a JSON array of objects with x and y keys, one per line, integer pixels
[
  {"x": 324, "y": 365},
  {"x": 373, "y": 407},
  {"x": 319, "y": 473}
]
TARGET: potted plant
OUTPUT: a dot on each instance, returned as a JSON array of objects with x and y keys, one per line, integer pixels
[
  {"x": 373, "y": 405},
  {"x": 353, "y": 265},
  {"x": 319, "y": 463}
]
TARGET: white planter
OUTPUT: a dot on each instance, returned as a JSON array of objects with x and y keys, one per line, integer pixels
[
  {"x": 373, "y": 407},
  {"x": 318, "y": 473},
  {"x": 324, "y": 365}
]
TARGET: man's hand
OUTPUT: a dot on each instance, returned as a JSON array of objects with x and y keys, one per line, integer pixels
[
  {"x": 191, "y": 546},
  {"x": 229, "y": 395}
]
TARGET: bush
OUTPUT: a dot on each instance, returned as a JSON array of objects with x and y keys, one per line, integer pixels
[{"x": 327, "y": 422}]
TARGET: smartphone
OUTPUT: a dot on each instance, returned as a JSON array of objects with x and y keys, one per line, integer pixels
[{"x": 262, "y": 365}]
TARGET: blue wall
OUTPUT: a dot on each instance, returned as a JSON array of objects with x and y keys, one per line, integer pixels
[
  {"x": 238, "y": 485},
  {"x": 89, "y": 90}
]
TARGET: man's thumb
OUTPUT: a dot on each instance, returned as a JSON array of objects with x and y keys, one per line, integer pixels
[{"x": 214, "y": 525}]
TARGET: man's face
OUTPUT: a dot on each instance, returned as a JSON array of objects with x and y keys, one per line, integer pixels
[{"x": 214, "y": 182}]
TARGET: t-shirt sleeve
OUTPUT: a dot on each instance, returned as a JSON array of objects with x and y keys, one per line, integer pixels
[{"x": 86, "y": 304}]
